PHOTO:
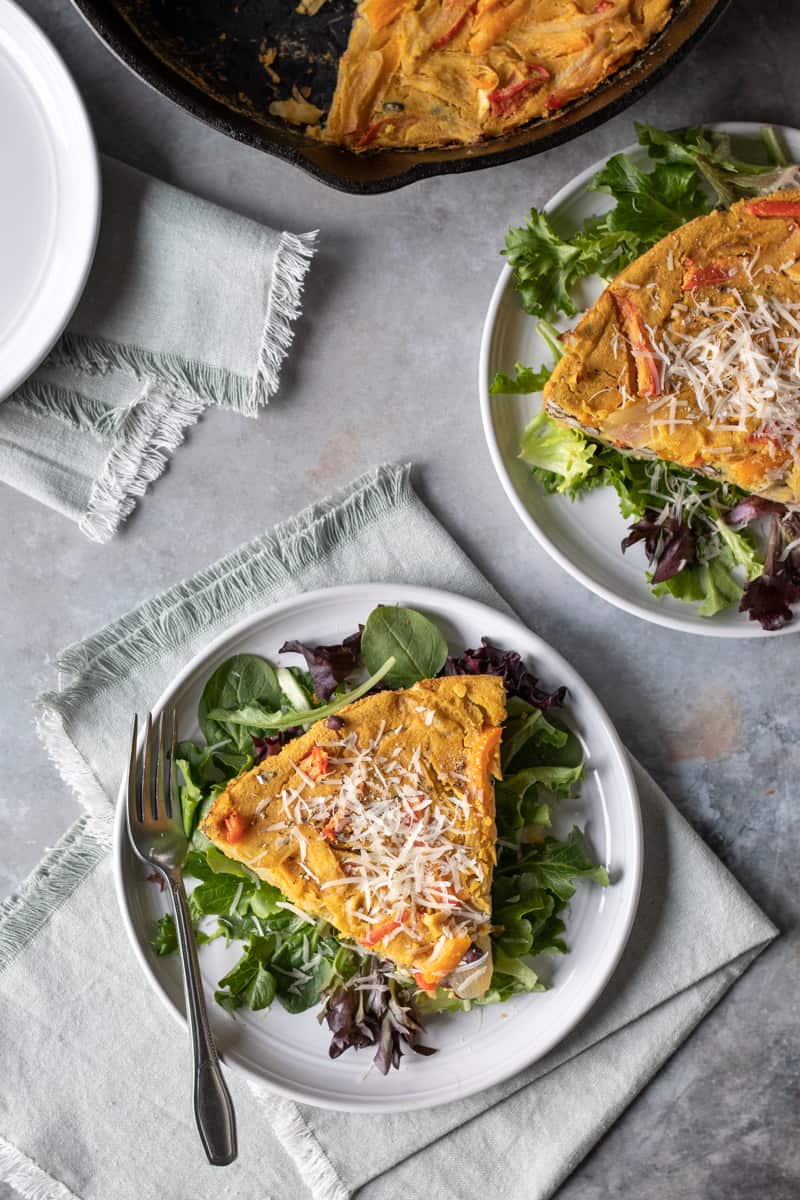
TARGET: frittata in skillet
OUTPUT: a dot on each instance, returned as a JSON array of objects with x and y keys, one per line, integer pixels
[
  {"x": 692, "y": 354},
  {"x": 438, "y": 72},
  {"x": 381, "y": 821}
]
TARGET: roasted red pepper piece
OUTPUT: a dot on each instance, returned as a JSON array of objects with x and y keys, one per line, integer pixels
[
  {"x": 603, "y": 6},
  {"x": 648, "y": 374},
  {"x": 454, "y": 30},
  {"x": 505, "y": 100},
  {"x": 369, "y": 134},
  {"x": 773, "y": 208},
  {"x": 235, "y": 827},
  {"x": 378, "y": 932},
  {"x": 708, "y": 275},
  {"x": 764, "y": 439},
  {"x": 446, "y": 894},
  {"x": 559, "y": 99},
  {"x": 316, "y": 763},
  {"x": 426, "y": 985}
]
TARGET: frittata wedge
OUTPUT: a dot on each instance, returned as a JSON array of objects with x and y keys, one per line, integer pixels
[
  {"x": 692, "y": 354},
  {"x": 381, "y": 821}
]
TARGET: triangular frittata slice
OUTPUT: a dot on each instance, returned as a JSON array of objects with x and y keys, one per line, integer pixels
[
  {"x": 692, "y": 354},
  {"x": 381, "y": 820}
]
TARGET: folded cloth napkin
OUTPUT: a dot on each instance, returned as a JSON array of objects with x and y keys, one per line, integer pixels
[
  {"x": 94, "y": 1100},
  {"x": 187, "y": 305}
]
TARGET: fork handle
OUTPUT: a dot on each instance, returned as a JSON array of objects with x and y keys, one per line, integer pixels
[{"x": 213, "y": 1108}]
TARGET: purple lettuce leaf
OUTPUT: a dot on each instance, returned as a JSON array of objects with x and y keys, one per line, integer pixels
[
  {"x": 768, "y": 598},
  {"x": 375, "y": 1013},
  {"x": 517, "y": 679},
  {"x": 669, "y": 544},
  {"x": 266, "y": 747},
  {"x": 328, "y": 665}
]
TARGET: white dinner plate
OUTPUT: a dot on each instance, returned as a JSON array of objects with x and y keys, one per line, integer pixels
[
  {"x": 49, "y": 198},
  {"x": 475, "y": 1049},
  {"x": 584, "y": 536}
]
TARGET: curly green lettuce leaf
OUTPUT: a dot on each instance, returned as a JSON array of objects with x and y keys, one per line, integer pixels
[
  {"x": 165, "y": 939},
  {"x": 524, "y": 380},
  {"x": 564, "y": 453},
  {"x": 741, "y": 546},
  {"x": 711, "y": 157},
  {"x": 546, "y": 266},
  {"x": 710, "y": 584},
  {"x": 555, "y": 865},
  {"x": 647, "y": 206}
]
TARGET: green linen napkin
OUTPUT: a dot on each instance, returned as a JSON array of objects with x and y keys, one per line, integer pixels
[
  {"x": 187, "y": 305},
  {"x": 97, "y": 1104}
]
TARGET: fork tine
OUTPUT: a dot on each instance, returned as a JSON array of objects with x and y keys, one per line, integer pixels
[
  {"x": 161, "y": 802},
  {"x": 171, "y": 777},
  {"x": 148, "y": 805},
  {"x": 134, "y": 814}
]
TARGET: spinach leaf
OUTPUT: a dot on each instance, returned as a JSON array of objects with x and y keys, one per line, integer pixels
[
  {"x": 415, "y": 643},
  {"x": 249, "y": 982},
  {"x": 191, "y": 796},
  {"x": 256, "y": 718},
  {"x": 241, "y": 680}
]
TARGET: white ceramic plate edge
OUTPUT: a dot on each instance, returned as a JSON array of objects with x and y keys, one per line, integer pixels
[
  {"x": 388, "y": 593},
  {"x": 32, "y": 36},
  {"x": 708, "y": 627}
]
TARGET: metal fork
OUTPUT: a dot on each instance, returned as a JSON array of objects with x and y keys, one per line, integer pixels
[{"x": 157, "y": 836}]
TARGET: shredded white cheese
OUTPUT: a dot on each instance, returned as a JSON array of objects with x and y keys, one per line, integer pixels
[{"x": 401, "y": 840}]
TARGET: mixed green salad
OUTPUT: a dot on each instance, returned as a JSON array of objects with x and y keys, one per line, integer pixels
[
  {"x": 706, "y": 542},
  {"x": 249, "y": 709}
]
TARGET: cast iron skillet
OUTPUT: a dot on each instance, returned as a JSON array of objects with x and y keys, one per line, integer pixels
[{"x": 206, "y": 55}]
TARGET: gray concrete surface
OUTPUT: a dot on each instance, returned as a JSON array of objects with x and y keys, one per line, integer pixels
[{"x": 384, "y": 367}]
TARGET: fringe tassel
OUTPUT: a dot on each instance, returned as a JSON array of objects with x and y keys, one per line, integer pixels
[
  {"x": 196, "y": 383},
  {"x": 168, "y": 621},
  {"x": 292, "y": 260},
  {"x": 179, "y": 376},
  {"x": 61, "y": 871},
  {"x": 313, "y": 1165},
  {"x": 67, "y": 760},
  {"x": 150, "y": 431},
  {"x": 80, "y": 412},
  {"x": 27, "y": 1178}
]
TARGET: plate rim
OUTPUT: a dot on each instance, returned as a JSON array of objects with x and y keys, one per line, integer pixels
[
  {"x": 28, "y": 35},
  {"x": 747, "y": 629},
  {"x": 376, "y": 593}
]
